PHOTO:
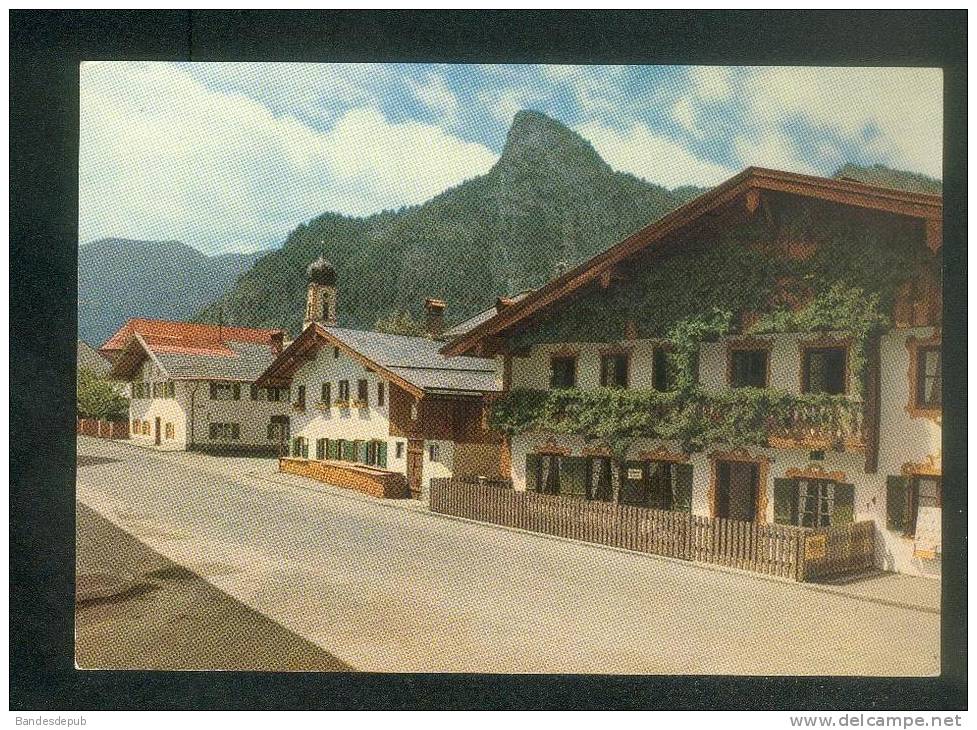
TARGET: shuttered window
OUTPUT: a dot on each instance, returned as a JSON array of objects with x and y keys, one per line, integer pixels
[
  {"x": 563, "y": 372},
  {"x": 320, "y": 449},
  {"x": 614, "y": 370},
  {"x": 813, "y": 502},
  {"x": 748, "y": 368},
  {"x": 326, "y": 393},
  {"x": 362, "y": 391},
  {"x": 344, "y": 391},
  {"x": 380, "y": 394}
]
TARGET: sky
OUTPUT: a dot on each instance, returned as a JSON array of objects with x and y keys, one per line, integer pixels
[{"x": 232, "y": 156}]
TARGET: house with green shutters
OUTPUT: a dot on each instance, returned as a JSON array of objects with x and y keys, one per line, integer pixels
[{"x": 768, "y": 353}]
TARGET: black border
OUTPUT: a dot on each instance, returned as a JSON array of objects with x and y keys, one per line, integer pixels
[{"x": 45, "y": 48}]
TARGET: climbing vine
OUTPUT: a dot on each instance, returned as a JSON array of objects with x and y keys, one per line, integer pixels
[{"x": 616, "y": 418}]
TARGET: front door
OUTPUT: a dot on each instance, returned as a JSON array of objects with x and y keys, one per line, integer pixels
[
  {"x": 415, "y": 464},
  {"x": 158, "y": 439},
  {"x": 737, "y": 490},
  {"x": 634, "y": 489}
]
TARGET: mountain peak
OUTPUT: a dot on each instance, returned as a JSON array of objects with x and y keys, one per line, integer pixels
[{"x": 535, "y": 137}]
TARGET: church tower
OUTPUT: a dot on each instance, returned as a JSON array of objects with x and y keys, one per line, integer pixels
[{"x": 320, "y": 300}]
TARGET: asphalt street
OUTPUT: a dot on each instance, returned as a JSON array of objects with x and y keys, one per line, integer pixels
[{"x": 386, "y": 588}]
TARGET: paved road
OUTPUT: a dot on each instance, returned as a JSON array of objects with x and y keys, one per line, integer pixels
[
  {"x": 392, "y": 589},
  {"x": 137, "y": 610}
]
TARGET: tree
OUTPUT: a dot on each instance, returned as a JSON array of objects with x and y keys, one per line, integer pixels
[
  {"x": 399, "y": 323},
  {"x": 99, "y": 398}
]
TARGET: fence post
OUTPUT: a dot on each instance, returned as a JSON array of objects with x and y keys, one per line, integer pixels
[{"x": 799, "y": 540}]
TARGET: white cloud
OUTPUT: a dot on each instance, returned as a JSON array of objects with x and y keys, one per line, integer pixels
[
  {"x": 711, "y": 83},
  {"x": 652, "y": 156},
  {"x": 433, "y": 92},
  {"x": 162, "y": 156},
  {"x": 905, "y": 105}
]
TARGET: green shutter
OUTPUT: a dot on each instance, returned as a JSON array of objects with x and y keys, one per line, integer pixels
[
  {"x": 896, "y": 490},
  {"x": 332, "y": 449},
  {"x": 682, "y": 488},
  {"x": 296, "y": 448},
  {"x": 382, "y": 454},
  {"x": 785, "y": 501},
  {"x": 213, "y": 391},
  {"x": 532, "y": 472},
  {"x": 237, "y": 391},
  {"x": 254, "y": 392},
  {"x": 844, "y": 510}
]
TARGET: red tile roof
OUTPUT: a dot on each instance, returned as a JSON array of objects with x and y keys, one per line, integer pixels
[{"x": 185, "y": 337}]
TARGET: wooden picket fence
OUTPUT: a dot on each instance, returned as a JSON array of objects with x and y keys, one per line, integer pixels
[
  {"x": 101, "y": 428},
  {"x": 778, "y": 550}
]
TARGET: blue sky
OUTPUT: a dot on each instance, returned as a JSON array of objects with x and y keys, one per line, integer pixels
[{"x": 230, "y": 157}]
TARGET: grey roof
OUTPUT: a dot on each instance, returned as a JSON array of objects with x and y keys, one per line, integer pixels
[
  {"x": 250, "y": 361},
  {"x": 463, "y": 328},
  {"x": 417, "y": 360},
  {"x": 89, "y": 357}
]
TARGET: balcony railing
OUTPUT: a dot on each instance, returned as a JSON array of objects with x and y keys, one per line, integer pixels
[{"x": 745, "y": 416}]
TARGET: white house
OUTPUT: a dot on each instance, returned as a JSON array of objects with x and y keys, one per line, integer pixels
[
  {"x": 193, "y": 386},
  {"x": 390, "y": 403},
  {"x": 848, "y": 426}
]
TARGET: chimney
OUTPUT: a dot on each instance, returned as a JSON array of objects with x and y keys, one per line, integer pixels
[
  {"x": 277, "y": 342},
  {"x": 434, "y": 317},
  {"x": 501, "y": 303}
]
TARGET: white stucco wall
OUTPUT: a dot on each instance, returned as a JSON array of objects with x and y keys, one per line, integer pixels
[
  {"x": 903, "y": 438},
  {"x": 367, "y": 424},
  {"x": 193, "y": 397}
]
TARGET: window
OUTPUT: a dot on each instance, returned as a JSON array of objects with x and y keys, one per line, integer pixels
[
  {"x": 923, "y": 493},
  {"x": 344, "y": 391},
  {"x": 164, "y": 389},
  {"x": 332, "y": 449},
  {"x": 662, "y": 485},
  {"x": 362, "y": 391},
  {"x": 300, "y": 448},
  {"x": 380, "y": 394},
  {"x": 663, "y": 370},
  {"x": 335, "y": 353},
  {"x": 399, "y": 450},
  {"x": 815, "y": 502},
  {"x": 169, "y": 430},
  {"x": 273, "y": 395},
  {"x": 808, "y": 502},
  {"x": 563, "y": 372},
  {"x": 135, "y": 425},
  {"x": 255, "y": 394},
  {"x": 225, "y": 431},
  {"x": 145, "y": 428},
  {"x": 554, "y": 474},
  {"x": 824, "y": 370},
  {"x": 225, "y": 391},
  {"x": 320, "y": 449},
  {"x": 300, "y": 397},
  {"x": 326, "y": 393},
  {"x": 748, "y": 368},
  {"x": 434, "y": 452},
  {"x": 929, "y": 378},
  {"x": 614, "y": 370},
  {"x": 413, "y": 411},
  {"x": 278, "y": 429}
]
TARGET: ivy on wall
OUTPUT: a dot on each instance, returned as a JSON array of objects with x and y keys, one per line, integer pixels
[
  {"x": 616, "y": 418},
  {"x": 805, "y": 254}
]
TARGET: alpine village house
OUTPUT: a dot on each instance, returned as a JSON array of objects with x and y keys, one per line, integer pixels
[
  {"x": 382, "y": 413},
  {"x": 768, "y": 353},
  {"x": 192, "y": 386}
]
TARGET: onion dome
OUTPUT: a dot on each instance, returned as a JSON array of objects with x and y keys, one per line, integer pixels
[{"x": 321, "y": 271}]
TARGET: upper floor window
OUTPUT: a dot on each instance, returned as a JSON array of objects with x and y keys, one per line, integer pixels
[
  {"x": 344, "y": 390},
  {"x": 326, "y": 393},
  {"x": 663, "y": 372},
  {"x": 335, "y": 353},
  {"x": 563, "y": 372},
  {"x": 748, "y": 368},
  {"x": 362, "y": 391},
  {"x": 300, "y": 397},
  {"x": 614, "y": 370},
  {"x": 929, "y": 378},
  {"x": 824, "y": 370},
  {"x": 380, "y": 394},
  {"x": 225, "y": 391}
]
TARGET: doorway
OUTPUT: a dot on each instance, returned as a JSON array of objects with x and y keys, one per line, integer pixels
[
  {"x": 158, "y": 439},
  {"x": 415, "y": 466},
  {"x": 737, "y": 490}
]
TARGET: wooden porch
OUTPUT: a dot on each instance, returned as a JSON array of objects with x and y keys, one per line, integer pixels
[{"x": 785, "y": 551}]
